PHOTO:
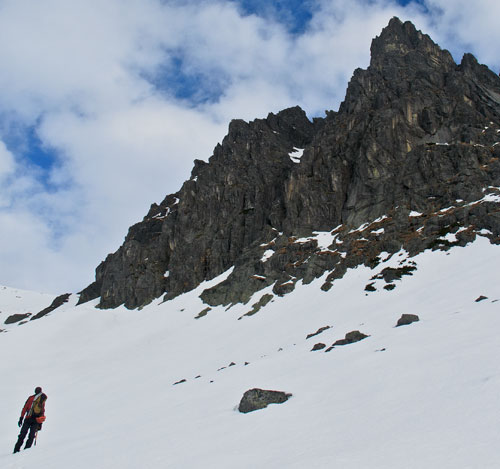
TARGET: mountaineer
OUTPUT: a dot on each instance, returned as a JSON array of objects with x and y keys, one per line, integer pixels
[{"x": 34, "y": 410}]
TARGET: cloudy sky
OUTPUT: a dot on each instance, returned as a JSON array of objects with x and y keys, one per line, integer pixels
[{"x": 104, "y": 104}]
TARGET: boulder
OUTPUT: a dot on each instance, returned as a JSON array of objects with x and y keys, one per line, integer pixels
[
  {"x": 318, "y": 346},
  {"x": 406, "y": 319},
  {"x": 255, "y": 399},
  {"x": 350, "y": 338}
]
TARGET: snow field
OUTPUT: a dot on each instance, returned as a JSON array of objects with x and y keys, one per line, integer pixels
[
  {"x": 430, "y": 399},
  {"x": 15, "y": 301}
]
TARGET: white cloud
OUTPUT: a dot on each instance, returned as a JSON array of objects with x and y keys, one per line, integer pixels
[
  {"x": 58, "y": 54},
  {"x": 466, "y": 26},
  {"x": 81, "y": 73},
  {"x": 7, "y": 162},
  {"x": 128, "y": 158}
]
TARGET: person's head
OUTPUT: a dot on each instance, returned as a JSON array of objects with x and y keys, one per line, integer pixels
[{"x": 38, "y": 390}]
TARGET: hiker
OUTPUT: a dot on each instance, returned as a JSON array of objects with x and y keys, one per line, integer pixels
[{"x": 34, "y": 410}]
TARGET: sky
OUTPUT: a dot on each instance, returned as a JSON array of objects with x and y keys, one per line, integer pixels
[{"x": 105, "y": 105}]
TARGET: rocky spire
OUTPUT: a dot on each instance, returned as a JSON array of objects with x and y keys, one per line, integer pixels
[
  {"x": 415, "y": 133},
  {"x": 404, "y": 61},
  {"x": 401, "y": 44}
]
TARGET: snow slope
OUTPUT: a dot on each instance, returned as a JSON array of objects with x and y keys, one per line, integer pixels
[
  {"x": 15, "y": 301},
  {"x": 419, "y": 396}
]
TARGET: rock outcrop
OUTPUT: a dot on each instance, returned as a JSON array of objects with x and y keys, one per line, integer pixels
[
  {"x": 229, "y": 203},
  {"x": 13, "y": 318},
  {"x": 407, "y": 319},
  {"x": 410, "y": 161},
  {"x": 256, "y": 399},
  {"x": 350, "y": 338},
  {"x": 59, "y": 301}
]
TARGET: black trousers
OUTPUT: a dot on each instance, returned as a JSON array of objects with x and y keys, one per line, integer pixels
[{"x": 30, "y": 424}]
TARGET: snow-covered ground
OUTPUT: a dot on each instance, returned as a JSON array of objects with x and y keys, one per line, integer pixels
[
  {"x": 425, "y": 395},
  {"x": 15, "y": 301}
]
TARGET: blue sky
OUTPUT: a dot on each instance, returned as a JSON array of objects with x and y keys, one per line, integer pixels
[
  {"x": 104, "y": 105},
  {"x": 293, "y": 14}
]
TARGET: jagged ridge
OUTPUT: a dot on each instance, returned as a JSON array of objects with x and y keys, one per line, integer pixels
[{"x": 416, "y": 132}]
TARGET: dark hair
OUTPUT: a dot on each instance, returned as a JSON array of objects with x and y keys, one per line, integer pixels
[{"x": 38, "y": 390}]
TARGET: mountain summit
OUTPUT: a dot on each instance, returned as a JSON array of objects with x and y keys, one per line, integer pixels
[
  {"x": 402, "y": 44},
  {"x": 410, "y": 161}
]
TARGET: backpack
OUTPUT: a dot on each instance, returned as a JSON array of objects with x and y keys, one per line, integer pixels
[{"x": 37, "y": 405}]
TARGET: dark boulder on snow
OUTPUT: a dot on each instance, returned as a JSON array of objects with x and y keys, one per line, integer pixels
[
  {"x": 318, "y": 346},
  {"x": 16, "y": 318},
  {"x": 407, "y": 319},
  {"x": 350, "y": 338},
  {"x": 412, "y": 156},
  {"x": 481, "y": 298},
  {"x": 256, "y": 399}
]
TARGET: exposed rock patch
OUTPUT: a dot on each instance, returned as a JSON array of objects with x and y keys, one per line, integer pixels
[
  {"x": 318, "y": 346},
  {"x": 389, "y": 274},
  {"x": 59, "y": 301},
  {"x": 12, "y": 319},
  {"x": 203, "y": 313},
  {"x": 256, "y": 399},
  {"x": 350, "y": 338},
  {"x": 407, "y": 319},
  {"x": 319, "y": 331},
  {"x": 265, "y": 299}
]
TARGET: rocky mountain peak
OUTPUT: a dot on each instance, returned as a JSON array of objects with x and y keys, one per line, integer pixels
[
  {"x": 404, "y": 62},
  {"x": 402, "y": 44},
  {"x": 409, "y": 156}
]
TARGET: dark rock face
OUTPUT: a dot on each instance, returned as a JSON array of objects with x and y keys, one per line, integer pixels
[
  {"x": 12, "y": 319},
  {"x": 228, "y": 204},
  {"x": 256, "y": 399},
  {"x": 416, "y": 133},
  {"x": 407, "y": 319},
  {"x": 59, "y": 301}
]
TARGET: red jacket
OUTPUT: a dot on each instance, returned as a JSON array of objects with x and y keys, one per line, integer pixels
[{"x": 29, "y": 403}]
